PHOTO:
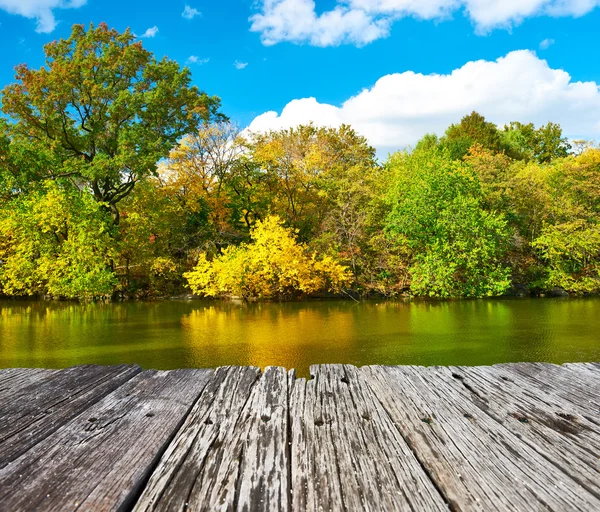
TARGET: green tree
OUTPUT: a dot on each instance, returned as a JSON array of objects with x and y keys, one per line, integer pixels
[
  {"x": 571, "y": 252},
  {"x": 472, "y": 129},
  {"x": 456, "y": 246},
  {"x": 568, "y": 239},
  {"x": 56, "y": 241},
  {"x": 21, "y": 162},
  {"x": 543, "y": 144},
  {"x": 106, "y": 108},
  {"x": 153, "y": 242}
]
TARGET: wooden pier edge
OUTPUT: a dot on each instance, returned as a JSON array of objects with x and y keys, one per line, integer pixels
[{"x": 523, "y": 436}]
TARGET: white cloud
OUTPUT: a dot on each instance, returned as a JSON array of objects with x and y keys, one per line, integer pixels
[
  {"x": 190, "y": 13},
  {"x": 240, "y": 65},
  {"x": 546, "y": 43},
  {"x": 297, "y": 21},
  {"x": 362, "y": 21},
  {"x": 194, "y": 59},
  {"x": 151, "y": 32},
  {"x": 42, "y": 11},
  {"x": 400, "y": 108}
]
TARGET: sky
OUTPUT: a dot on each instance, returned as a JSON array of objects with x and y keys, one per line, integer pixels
[{"x": 393, "y": 69}]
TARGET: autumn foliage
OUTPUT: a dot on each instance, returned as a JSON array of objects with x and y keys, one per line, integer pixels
[
  {"x": 120, "y": 178},
  {"x": 273, "y": 266}
]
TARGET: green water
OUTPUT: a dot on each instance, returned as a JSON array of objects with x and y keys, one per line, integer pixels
[{"x": 181, "y": 334}]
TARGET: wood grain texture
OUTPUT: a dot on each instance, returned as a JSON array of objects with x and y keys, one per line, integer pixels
[
  {"x": 100, "y": 459},
  {"x": 509, "y": 437},
  {"x": 476, "y": 462},
  {"x": 232, "y": 451},
  {"x": 583, "y": 392},
  {"x": 347, "y": 453},
  {"x": 12, "y": 379},
  {"x": 264, "y": 477},
  {"x": 33, "y": 408},
  {"x": 542, "y": 420},
  {"x": 202, "y": 450}
]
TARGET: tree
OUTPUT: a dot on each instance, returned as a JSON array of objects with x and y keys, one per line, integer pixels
[
  {"x": 571, "y": 252},
  {"x": 472, "y": 129},
  {"x": 8, "y": 176},
  {"x": 456, "y": 246},
  {"x": 154, "y": 241},
  {"x": 493, "y": 171},
  {"x": 275, "y": 265},
  {"x": 56, "y": 241},
  {"x": 568, "y": 241},
  {"x": 201, "y": 174},
  {"x": 302, "y": 164},
  {"x": 543, "y": 145},
  {"x": 325, "y": 182},
  {"x": 427, "y": 142},
  {"x": 21, "y": 163},
  {"x": 106, "y": 108}
]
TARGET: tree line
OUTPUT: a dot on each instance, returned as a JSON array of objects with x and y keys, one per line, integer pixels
[{"x": 119, "y": 178}]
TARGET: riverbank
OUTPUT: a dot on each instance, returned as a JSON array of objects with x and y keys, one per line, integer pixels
[{"x": 514, "y": 291}]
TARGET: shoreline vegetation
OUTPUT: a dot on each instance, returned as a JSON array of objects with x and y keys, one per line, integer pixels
[{"x": 119, "y": 179}]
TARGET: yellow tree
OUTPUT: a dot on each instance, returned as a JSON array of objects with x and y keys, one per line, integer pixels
[
  {"x": 274, "y": 265},
  {"x": 56, "y": 241},
  {"x": 305, "y": 167}
]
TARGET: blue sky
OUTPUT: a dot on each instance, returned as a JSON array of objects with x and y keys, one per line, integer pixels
[{"x": 336, "y": 52}]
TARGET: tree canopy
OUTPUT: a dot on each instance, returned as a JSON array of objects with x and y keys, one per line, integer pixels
[
  {"x": 456, "y": 246},
  {"x": 105, "y": 108},
  {"x": 57, "y": 242},
  {"x": 119, "y": 177}
]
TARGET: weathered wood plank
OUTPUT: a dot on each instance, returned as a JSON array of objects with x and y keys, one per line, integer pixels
[
  {"x": 475, "y": 461},
  {"x": 31, "y": 412},
  {"x": 201, "y": 451},
  {"x": 583, "y": 393},
  {"x": 592, "y": 367},
  {"x": 508, "y": 437},
  {"x": 545, "y": 423},
  {"x": 12, "y": 379},
  {"x": 316, "y": 482},
  {"x": 264, "y": 476},
  {"x": 232, "y": 451},
  {"x": 346, "y": 452},
  {"x": 548, "y": 386},
  {"x": 101, "y": 459}
]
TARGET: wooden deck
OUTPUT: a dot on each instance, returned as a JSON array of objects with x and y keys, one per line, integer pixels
[{"x": 507, "y": 437}]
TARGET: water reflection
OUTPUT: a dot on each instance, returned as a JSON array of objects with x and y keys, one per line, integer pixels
[
  {"x": 295, "y": 335},
  {"x": 275, "y": 333}
]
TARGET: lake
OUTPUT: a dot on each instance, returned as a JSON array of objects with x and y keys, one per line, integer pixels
[{"x": 197, "y": 334}]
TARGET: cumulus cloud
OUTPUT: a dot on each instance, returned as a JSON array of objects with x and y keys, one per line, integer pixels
[
  {"x": 239, "y": 65},
  {"x": 362, "y": 21},
  {"x": 400, "y": 108},
  {"x": 42, "y": 11},
  {"x": 190, "y": 13},
  {"x": 297, "y": 21},
  {"x": 150, "y": 33}
]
